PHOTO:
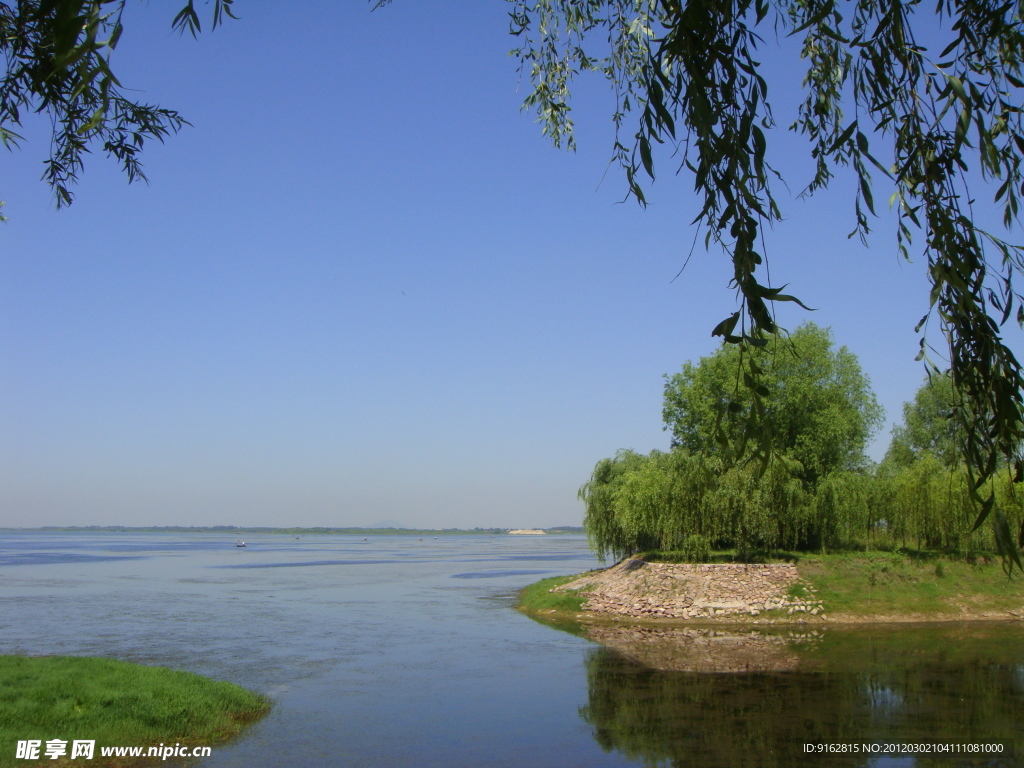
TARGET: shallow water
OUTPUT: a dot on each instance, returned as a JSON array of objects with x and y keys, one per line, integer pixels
[{"x": 398, "y": 651}]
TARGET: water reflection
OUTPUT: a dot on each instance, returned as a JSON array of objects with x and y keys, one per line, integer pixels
[
  {"x": 701, "y": 697},
  {"x": 704, "y": 649}
]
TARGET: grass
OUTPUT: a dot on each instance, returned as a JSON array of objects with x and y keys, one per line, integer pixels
[
  {"x": 719, "y": 556},
  {"x": 538, "y": 597},
  {"x": 114, "y": 703},
  {"x": 556, "y": 609},
  {"x": 797, "y": 591},
  {"x": 903, "y": 583}
]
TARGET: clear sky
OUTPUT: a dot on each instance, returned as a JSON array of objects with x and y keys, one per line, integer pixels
[{"x": 363, "y": 289}]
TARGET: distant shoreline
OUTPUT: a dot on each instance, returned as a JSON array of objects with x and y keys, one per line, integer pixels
[{"x": 232, "y": 530}]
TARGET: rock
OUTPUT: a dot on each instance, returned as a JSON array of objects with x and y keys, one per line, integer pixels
[{"x": 667, "y": 590}]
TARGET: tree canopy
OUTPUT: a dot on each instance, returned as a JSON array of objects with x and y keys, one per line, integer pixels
[
  {"x": 821, "y": 411},
  {"x": 820, "y": 494},
  {"x": 928, "y": 426}
]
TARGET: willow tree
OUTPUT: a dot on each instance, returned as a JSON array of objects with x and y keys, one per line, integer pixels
[
  {"x": 607, "y": 535},
  {"x": 688, "y": 73},
  {"x": 57, "y": 62},
  {"x": 930, "y": 488}
]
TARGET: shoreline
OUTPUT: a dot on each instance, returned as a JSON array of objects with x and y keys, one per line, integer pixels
[
  {"x": 823, "y": 592},
  {"x": 839, "y": 620}
]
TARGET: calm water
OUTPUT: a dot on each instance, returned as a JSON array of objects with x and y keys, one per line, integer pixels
[{"x": 402, "y": 652}]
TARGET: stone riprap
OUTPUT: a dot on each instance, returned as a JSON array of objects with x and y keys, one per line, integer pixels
[{"x": 640, "y": 589}]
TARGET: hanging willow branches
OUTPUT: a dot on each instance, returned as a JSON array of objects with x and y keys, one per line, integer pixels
[
  {"x": 57, "y": 62},
  {"x": 686, "y": 74}
]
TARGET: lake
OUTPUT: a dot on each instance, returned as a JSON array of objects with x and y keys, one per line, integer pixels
[{"x": 401, "y": 651}]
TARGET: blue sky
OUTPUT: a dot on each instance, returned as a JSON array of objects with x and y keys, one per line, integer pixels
[{"x": 363, "y": 289}]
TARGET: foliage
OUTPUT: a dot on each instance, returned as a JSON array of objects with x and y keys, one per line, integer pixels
[
  {"x": 820, "y": 494},
  {"x": 57, "y": 55},
  {"x": 928, "y": 425},
  {"x": 604, "y": 530},
  {"x": 822, "y": 411},
  {"x": 689, "y": 75},
  {"x": 637, "y": 503},
  {"x": 696, "y": 549}
]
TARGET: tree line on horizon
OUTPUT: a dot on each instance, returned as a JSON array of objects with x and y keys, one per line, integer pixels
[
  {"x": 233, "y": 529},
  {"x": 820, "y": 493}
]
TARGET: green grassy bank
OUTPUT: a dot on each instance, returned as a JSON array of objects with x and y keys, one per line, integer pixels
[
  {"x": 114, "y": 703},
  {"x": 867, "y": 586},
  {"x": 878, "y": 584}
]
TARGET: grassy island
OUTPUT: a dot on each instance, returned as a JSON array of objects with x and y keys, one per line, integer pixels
[
  {"x": 852, "y": 587},
  {"x": 114, "y": 703}
]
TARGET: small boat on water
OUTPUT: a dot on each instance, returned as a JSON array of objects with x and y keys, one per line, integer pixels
[{"x": 239, "y": 543}]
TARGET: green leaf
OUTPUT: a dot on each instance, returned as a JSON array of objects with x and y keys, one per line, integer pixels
[
  {"x": 843, "y": 137},
  {"x": 645, "y": 155},
  {"x": 726, "y": 327}
]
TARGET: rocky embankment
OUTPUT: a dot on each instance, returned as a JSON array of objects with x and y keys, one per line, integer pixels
[{"x": 696, "y": 591}]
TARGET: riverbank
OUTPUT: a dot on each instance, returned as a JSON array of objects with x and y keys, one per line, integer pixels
[
  {"x": 60, "y": 699},
  {"x": 876, "y": 587}
]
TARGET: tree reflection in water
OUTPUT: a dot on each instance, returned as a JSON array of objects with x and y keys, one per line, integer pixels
[{"x": 955, "y": 683}]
